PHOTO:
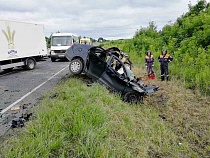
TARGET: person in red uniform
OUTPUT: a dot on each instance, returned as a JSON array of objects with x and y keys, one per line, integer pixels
[
  {"x": 164, "y": 59},
  {"x": 149, "y": 63}
]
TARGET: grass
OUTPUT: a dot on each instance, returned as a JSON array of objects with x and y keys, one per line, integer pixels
[
  {"x": 186, "y": 112},
  {"x": 84, "y": 121}
]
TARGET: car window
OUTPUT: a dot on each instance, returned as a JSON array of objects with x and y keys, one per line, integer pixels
[{"x": 99, "y": 52}]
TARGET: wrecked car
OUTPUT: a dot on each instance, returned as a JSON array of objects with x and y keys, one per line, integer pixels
[{"x": 111, "y": 67}]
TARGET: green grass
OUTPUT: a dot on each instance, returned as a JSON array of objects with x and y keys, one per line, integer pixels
[{"x": 91, "y": 122}]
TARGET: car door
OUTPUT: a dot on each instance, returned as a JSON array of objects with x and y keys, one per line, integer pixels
[
  {"x": 114, "y": 76},
  {"x": 96, "y": 62}
]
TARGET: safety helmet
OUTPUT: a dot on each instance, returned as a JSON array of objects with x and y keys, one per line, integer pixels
[
  {"x": 164, "y": 50},
  {"x": 149, "y": 51}
]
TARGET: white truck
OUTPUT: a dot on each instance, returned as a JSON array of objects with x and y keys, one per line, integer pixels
[
  {"x": 60, "y": 42},
  {"x": 21, "y": 44}
]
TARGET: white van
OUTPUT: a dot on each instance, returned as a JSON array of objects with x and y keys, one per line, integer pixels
[
  {"x": 60, "y": 42},
  {"x": 21, "y": 44}
]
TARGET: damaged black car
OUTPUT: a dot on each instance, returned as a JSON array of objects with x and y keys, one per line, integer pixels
[{"x": 111, "y": 67}]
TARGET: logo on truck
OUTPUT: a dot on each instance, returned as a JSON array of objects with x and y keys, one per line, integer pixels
[{"x": 10, "y": 35}]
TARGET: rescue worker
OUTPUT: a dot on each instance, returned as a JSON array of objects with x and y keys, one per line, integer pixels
[
  {"x": 149, "y": 63},
  {"x": 164, "y": 59}
]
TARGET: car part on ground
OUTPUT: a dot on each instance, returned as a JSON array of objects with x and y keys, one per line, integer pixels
[
  {"x": 110, "y": 67},
  {"x": 18, "y": 122}
]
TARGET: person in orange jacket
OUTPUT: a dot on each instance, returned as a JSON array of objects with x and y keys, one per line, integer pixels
[
  {"x": 149, "y": 63},
  {"x": 164, "y": 59}
]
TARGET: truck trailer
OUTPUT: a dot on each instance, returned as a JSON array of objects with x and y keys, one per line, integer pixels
[{"x": 21, "y": 44}]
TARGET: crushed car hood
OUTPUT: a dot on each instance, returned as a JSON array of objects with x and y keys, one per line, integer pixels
[{"x": 147, "y": 90}]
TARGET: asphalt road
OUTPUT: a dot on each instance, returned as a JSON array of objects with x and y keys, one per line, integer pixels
[{"x": 25, "y": 87}]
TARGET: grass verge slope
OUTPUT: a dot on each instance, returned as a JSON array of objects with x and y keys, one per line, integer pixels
[{"x": 84, "y": 121}]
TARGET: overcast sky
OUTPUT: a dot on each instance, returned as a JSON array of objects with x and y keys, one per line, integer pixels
[{"x": 110, "y": 19}]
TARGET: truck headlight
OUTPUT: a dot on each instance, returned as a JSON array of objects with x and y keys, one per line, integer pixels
[{"x": 52, "y": 52}]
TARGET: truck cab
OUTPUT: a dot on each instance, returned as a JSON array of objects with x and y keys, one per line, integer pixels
[{"x": 60, "y": 42}]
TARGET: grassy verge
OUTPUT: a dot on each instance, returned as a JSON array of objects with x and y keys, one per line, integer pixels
[
  {"x": 184, "y": 111},
  {"x": 84, "y": 121}
]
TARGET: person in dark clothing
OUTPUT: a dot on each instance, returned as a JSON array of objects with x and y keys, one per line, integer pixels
[
  {"x": 164, "y": 59},
  {"x": 149, "y": 63}
]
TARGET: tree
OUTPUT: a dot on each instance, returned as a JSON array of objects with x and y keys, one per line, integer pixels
[{"x": 100, "y": 39}]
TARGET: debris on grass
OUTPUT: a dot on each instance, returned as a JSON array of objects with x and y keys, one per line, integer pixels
[
  {"x": 54, "y": 96},
  {"x": 89, "y": 85}
]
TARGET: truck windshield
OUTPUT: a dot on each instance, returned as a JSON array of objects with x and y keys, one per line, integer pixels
[{"x": 62, "y": 40}]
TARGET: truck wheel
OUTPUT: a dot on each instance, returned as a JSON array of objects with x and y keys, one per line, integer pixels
[
  {"x": 53, "y": 59},
  {"x": 76, "y": 66},
  {"x": 132, "y": 97},
  {"x": 30, "y": 63}
]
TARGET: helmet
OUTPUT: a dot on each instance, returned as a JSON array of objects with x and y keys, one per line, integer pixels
[
  {"x": 149, "y": 51},
  {"x": 164, "y": 50}
]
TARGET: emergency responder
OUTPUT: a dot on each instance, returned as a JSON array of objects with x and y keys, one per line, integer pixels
[
  {"x": 164, "y": 59},
  {"x": 149, "y": 63}
]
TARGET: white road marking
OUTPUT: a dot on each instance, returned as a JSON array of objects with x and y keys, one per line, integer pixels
[{"x": 23, "y": 97}]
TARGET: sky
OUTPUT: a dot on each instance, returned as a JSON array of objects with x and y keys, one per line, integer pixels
[{"x": 110, "y": 19}]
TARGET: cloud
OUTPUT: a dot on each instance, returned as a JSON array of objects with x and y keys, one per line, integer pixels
[{"x": 109, "y": 19}]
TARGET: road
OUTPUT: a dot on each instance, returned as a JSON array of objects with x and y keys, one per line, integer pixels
[{"x": 23, "y": 87}]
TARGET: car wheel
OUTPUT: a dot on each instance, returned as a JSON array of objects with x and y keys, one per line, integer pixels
[
  {"x": 53, "y": 59},
  {"x": 30, "y": 63},
  {"x": 132, "y": 97},
  {"x": 76, "y": 66}
]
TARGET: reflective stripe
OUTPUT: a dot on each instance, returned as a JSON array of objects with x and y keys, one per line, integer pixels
[{"x": 166, "y": 56}]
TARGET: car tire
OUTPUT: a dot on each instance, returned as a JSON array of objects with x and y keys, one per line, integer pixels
[
  {"x": 53, "y": 59},
  {"x": 30, "y": 63},
  {"x": 76, "y": 67},
  {"x": 132, "y": 97}
]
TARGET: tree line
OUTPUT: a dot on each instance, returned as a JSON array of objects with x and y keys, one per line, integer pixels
[{"x": 187, "y": 40}]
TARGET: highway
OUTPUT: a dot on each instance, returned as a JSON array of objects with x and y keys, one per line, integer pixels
[{"x": 25, "y": 87}]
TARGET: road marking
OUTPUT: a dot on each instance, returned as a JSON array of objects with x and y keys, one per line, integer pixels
[{"x": 23, "y": 97}]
